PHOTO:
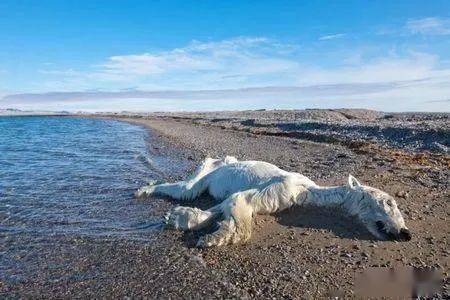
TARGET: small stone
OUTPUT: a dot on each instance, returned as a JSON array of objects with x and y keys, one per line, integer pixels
[
  {"x": 402, "y": 194},
  {"x": 198, "y": 260}
]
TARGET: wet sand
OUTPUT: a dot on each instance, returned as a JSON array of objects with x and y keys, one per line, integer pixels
[{"x": 294, "y": 254}]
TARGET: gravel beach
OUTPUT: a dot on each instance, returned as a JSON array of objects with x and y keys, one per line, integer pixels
[{"x": 297, "y": 254}]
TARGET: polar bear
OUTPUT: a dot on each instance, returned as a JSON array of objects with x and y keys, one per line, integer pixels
[{"x": 246, "y": 188}]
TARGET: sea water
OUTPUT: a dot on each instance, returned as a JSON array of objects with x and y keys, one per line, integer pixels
[{"x": 73, "y": 176}]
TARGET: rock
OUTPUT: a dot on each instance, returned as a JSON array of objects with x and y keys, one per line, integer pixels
[
  {"x": 402, "y": 194},
  {"x": 198, "y": 260},
  {"x": 439, "y": 147}
]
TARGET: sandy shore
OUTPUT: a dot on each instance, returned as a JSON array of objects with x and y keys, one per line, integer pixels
[{"x": 295, "y": 254}]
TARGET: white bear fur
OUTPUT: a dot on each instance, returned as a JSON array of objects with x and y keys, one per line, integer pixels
[{"x": 246, "y": 188}]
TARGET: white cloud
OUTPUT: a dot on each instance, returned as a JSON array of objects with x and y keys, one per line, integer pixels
[
  {"x": 210, "y": 61},
  {"x": 68, "y": 72},
  {"x": 424, "y": 95},
  {"x": 231, "y": 63},
  {"x": 238, "y": 63},
  {"x": 332, "y": 37},
  {"x": 416, "y": 66},
  {"x": 429, "y": 26},
  {"x": 198, "y": 74}
]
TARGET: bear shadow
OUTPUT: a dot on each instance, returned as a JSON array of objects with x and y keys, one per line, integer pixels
[{"x": 333, "y": 220}]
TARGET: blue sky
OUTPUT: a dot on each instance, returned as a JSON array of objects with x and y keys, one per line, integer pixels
[{"x": 115, "y": 55}]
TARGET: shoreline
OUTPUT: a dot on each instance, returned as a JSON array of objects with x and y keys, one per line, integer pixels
[
  {"x": 408, "y": 132},
  {"x": 440, "y": 157},
  {"x": 295, "y": 254}
]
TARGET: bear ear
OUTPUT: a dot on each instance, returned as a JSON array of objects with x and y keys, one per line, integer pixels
[{"x": 353, "y": 183}]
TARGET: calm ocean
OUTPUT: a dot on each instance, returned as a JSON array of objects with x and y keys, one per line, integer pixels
[{"x": 73, "y": 176}]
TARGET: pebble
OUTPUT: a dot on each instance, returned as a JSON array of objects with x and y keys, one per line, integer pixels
[{"x": 402, "y": 194}]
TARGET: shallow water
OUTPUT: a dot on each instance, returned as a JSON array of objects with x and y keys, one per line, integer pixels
[{"x": 74, "y": 176}]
